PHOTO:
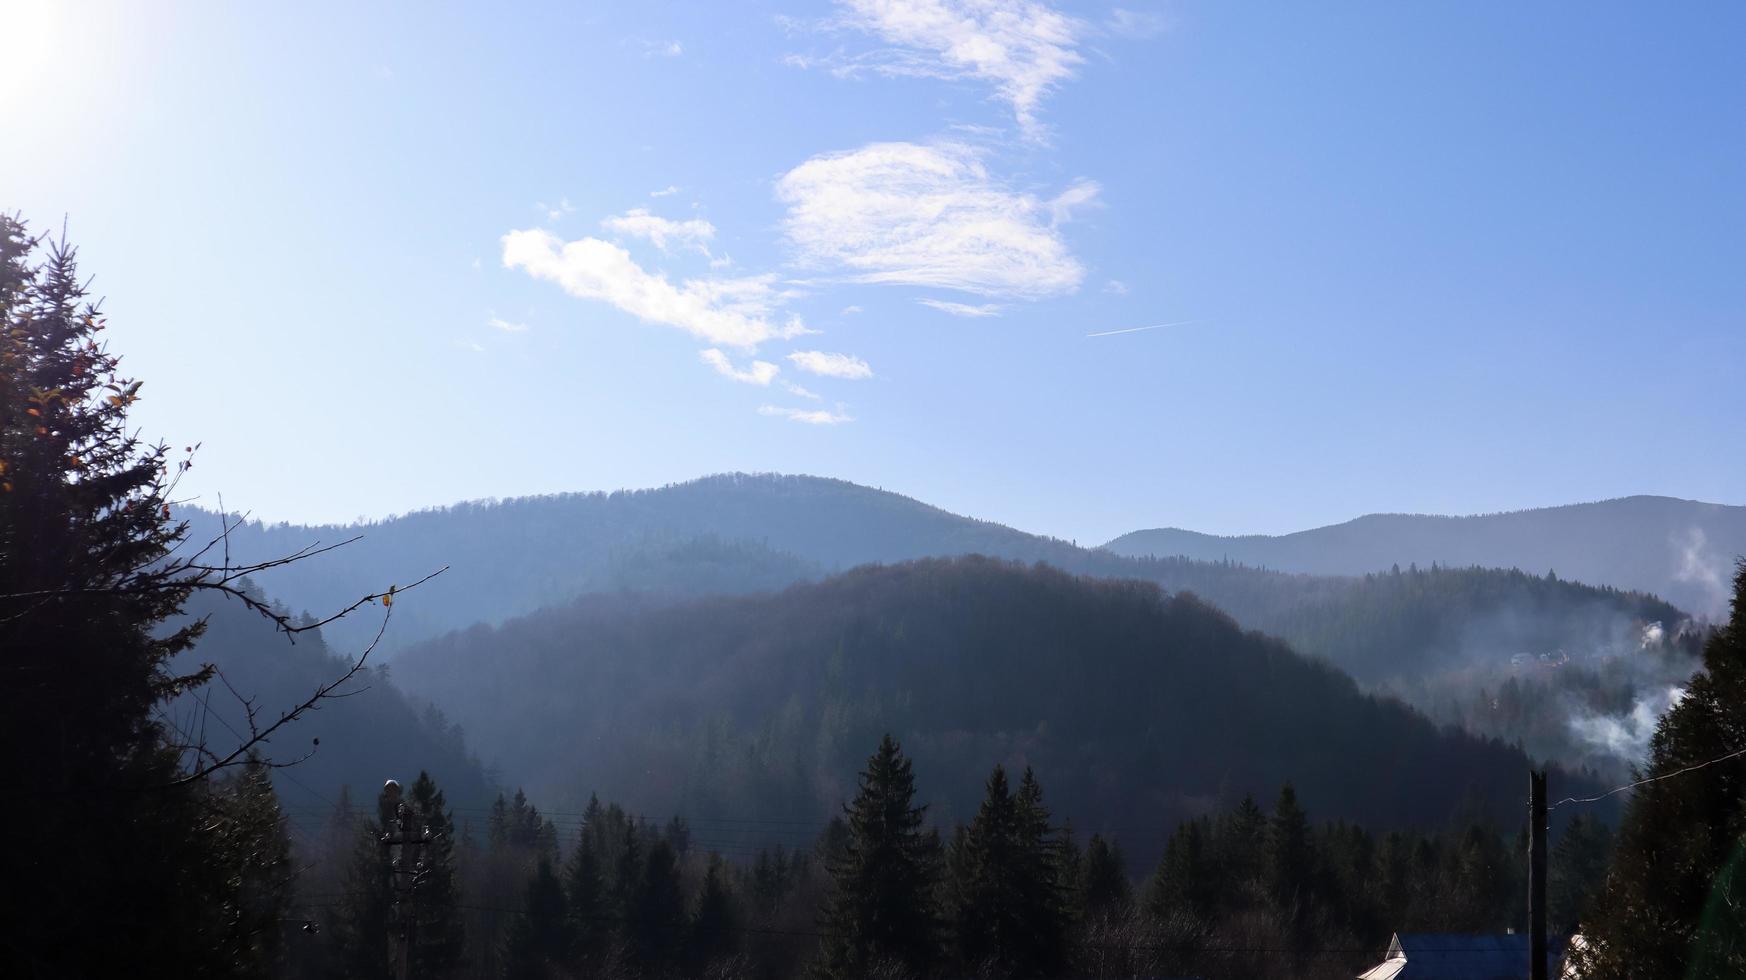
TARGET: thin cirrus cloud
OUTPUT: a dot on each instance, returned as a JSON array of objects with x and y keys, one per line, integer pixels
[
  {"x": 758, "y": 373},
  {"x": 662, "y": 232},
  {"x": 963, "y": 309},
  {"x": 929, "y": 215},
  {"x": 810, "y": 416},
  {"x": 507, "y": 326},
  {"x": 732, "y": 312},
  {"x": 831, "y": 365},
  {"x": 1025, "y": 49}
]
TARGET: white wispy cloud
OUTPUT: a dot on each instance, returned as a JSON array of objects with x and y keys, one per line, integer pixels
[
  {"x": 926, "y": 215},
  {"x": 759, "y": 373},
  {"x": 736, "y": 312},
  {"x": 1082, "y": 194},
  {"x": 831, "y": 365},
  {"x": 554, "y": 212},
  {"x": 962, "y": 309},
  {"x": 850, "y": 310},
  {"x": 1023, "y": 48},
  {"x": 1116, "y": 287},
  {"x": 1138, "y": 24},
  {"x": 662, "y": 49},
  {"x": 794, "y": 389},
  {"x": 640, "y": 223},
  {"x": 498, "y": 323},
  {"x": 815, "y": 416},
  {"x": 667, "y": 191}
]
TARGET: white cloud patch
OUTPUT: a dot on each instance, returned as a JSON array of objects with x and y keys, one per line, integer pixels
[
  {"x": 794, "y": 389},
  {"x": 1023, "y": 48},
  {"x": 1116, "y": 287},
  {"x": 667, "y": 191},
  {"x": 725, "y": 312},
  {"x": 831, "y": 365},
  {"x": 663, "y": 232},
  {"x": 554, "y": 212},
  {"x": 815, "y": 416},
  {"x": 1136, "y": 24},
  {"x": 507, "y": 326},
  {"x": 759, "y": 373},
  {"x": 927, "y": 215},
  {"x": 850, "y": 310},
  {"x": 963, "y": 309},
  {"x": 1082, "y": 194}
]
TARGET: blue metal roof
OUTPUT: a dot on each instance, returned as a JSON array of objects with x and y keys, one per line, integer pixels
[{"x": 1461, "y": 956}]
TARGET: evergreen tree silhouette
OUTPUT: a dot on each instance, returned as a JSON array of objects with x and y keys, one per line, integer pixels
[{"x": 883, "y": 909}]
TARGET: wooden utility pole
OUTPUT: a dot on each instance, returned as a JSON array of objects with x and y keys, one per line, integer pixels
[
  {"x": 1536, "y": 875},
  {"x": 409, "y": 868},
  {"x": 403, "y": 854}
]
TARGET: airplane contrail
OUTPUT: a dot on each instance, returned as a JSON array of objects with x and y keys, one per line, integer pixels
[{"x": 1155, "y": 326}]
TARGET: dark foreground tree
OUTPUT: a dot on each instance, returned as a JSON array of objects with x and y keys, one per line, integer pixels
[
  {"x": 119, "y": 829},
  {"x": 882, "y": 910},
  {"x": 1674, "y": 900},
  {"x": 439, "y": 929},
  {"x": 538, "y": 944},
  {"x": 1010, "y": 917},
  {"x": 1103, "y": 876}
]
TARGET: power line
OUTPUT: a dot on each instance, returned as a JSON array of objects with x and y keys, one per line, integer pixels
[{"x": 1644, "y": 782}]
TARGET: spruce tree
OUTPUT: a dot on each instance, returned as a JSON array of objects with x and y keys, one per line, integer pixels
[
  {"x": 1577, "y": 872},
  {"x": 254, "y": 845},
  {"x": 1187, "y": 880},
  {"x": 655, "y": 926},
  {"x": 1288, "y": 851},
  {"x": 538, "y": 944},
  {"x": 1104, "y": 877},
  {"x": 440, "y": 931},
  {"x": 714, "y": 932},
  {"x": 1010, "y": 916},
  {"x": 359, "y": 926},
  {"x": 589, "y": 907},
  {"x": 106, "y": 826},
  {"x": 1671, "y": 907},
  {"x": 882, "y": 908}
]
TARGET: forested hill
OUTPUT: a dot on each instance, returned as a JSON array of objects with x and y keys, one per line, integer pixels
[
  {"x": 1136, "y": 707},
  {"x": 740, "y": 533},
  {"x": 1682, "y": 550},
  {"x": 368, "y": 733}
]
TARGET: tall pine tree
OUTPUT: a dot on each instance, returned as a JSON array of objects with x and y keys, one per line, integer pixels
[{"x": 882, "y": 910}]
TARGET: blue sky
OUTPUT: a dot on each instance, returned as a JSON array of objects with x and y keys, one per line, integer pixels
[{"x": 1434, "y": 257}]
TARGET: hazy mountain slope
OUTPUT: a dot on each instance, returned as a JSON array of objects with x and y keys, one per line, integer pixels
[
  {"x": 374, "y": 732},
  {"x": 514, "y": 556},
  {"x": 1136, "y": 708},
  {"x": 1682, "y": 550},
  {"x": 738, "y": 533}
]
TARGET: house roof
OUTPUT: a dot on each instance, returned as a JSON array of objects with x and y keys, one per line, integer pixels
[{"x": 1459, "y": 956}]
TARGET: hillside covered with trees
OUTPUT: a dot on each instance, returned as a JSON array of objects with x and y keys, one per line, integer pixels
[{"x": 1149, "y": 707}]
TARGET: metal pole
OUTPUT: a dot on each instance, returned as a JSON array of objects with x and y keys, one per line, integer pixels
[
  {"x": 1537, "y": 875},
  {"x": 408, "y": 872}
]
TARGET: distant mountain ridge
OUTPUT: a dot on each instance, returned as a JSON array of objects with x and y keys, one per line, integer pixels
[{"x": 1680, "y": 550}]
